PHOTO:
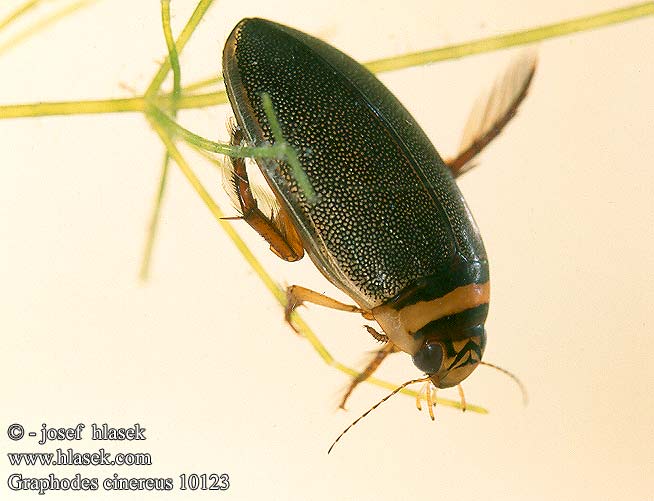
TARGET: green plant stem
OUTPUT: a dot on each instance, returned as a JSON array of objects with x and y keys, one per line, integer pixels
[
  {"x": 280, "y": 150},
  {"x": 517, "y": 38},
  {"x": 289, "y": 154},
  {"x": 90, "y": 107},
  {"x": 43, "y": 23},
  {"x": 19, "y": 11},
  {"x": 173, "y": 56},
  {"x": 155, "y": 217},
  {"x": 138, "y": 104},
  {"x": 183, "y": 38},
  {"x": 201, "y": 84},
  {"x": 177, "y": 90},
  {"x": 229, "y": 150}
]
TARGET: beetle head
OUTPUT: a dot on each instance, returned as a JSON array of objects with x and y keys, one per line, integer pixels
[{"x": 448, "y": 361}]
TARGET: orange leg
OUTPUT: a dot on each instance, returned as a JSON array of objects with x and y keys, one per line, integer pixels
[
  {"x": 296, "y": 295},
  {"x": 277, "y": 230}
]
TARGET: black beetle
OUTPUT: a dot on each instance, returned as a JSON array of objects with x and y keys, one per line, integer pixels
[{"x": 388, "y": 225}]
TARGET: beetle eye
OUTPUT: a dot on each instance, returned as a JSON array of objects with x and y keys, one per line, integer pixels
[{"x": 429, "y": 358}]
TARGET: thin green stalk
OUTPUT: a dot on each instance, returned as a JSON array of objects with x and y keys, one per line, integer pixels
[
  {"x": 279, "y": 150},
  {"x": 200, "y": 100},
  {"x": 387, "y": 64},
  {"x": 289, "y": 154},
  {"x": 512, "y": 39},
  {"x": 173, "y": 56},
  {"x": 272, "y": 151},
  {"x": 155, "y": 217},
  {"x": 43, "y": 23},
  {"x": 98, "y": 106},
  {"x": 201, "y": 84},
  {"x": 21, "y": 10},
  {"x": 177, "y": 90},
  {"x": 183, "y": 38},
  {"x": 195, "y": 140},
  {"x": 128, "y": 105}
]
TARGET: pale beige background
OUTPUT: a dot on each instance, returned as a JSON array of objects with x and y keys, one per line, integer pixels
[{"x": 200, "y": 355}]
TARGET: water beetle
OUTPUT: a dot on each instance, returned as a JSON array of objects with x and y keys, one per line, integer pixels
[{"x": 389, "y": 226}]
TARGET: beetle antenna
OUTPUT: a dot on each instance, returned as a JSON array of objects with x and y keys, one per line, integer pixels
[
  {"x": 462, "y": 396},
  {"x": 523, "y": 389},
  {"x": 396, "y": 390}
]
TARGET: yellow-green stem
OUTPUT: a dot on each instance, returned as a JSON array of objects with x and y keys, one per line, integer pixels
[
  {"x": 137, "y": 104},
  {"x": 173, "y": 57},
  {"x": 43, "y": 23},
  {"x": 183, "y": 38},
  {"x": 19, "y": 11},
  {"x": 512, "y": 39}
]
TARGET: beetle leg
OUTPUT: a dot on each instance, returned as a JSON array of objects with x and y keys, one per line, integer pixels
[
  {"x": 296, "y": 295},
  {"x": 277, "y": 229},
  {"x": 419, "y": 397},
  {"x": 463, "y": 398},
  {"x": 380, "y": 355},
  {"x": 378, "y": 336},
  {"x": 431, "y": 399},
  {"x": 492, "y": 112}
]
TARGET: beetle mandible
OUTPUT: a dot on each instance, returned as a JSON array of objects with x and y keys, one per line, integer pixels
[{"x": 388, "y": 226}]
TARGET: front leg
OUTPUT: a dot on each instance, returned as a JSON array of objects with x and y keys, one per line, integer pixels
[{"x": 296, "y": 295}]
